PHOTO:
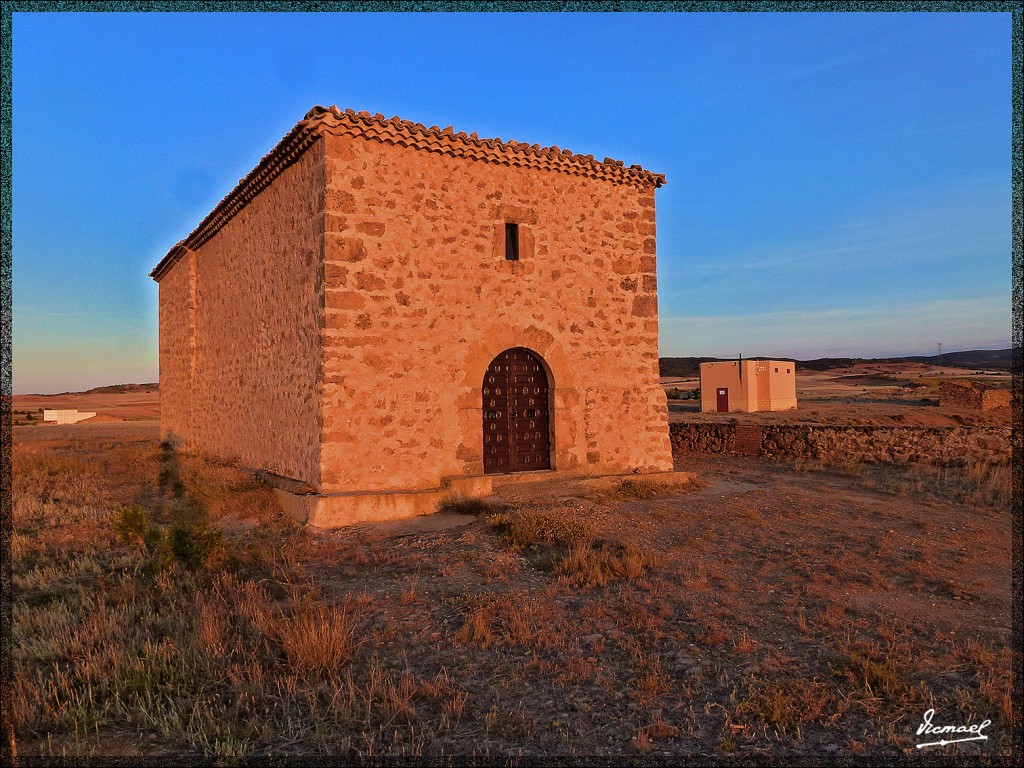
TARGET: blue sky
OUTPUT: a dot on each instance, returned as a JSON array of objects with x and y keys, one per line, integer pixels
[{"x": 838, "y": 184}]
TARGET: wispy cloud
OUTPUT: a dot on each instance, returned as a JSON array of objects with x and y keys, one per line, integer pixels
[
  {"x": 927, "y": 242},
  {"x": 862, "y": 331},
  {"x": 861, "y": 52}
]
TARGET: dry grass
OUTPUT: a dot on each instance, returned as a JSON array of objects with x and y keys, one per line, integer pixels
[
  {"x": 124, "y": 618},
  {"x": 978, "y": 483},
  {"x": 644, "y": 489},
  {"x": 587, "y": 564},
  {"x": 564, "y": 544},
  {"x": 521, "y": 528},
  {"x": 507, "y": 618},
  {"x": 316, "y": 637},
  {"x": 786, "y": 703},
  {"x": 460, "y": 505},
  {"x": 164, "y": 606}
]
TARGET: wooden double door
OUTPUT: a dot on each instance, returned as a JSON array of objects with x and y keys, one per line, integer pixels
[{"x": 516, "y": 415}]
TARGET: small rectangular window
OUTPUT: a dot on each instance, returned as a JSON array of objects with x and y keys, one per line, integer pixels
[
  {"x": 511, "y": 242},
  {"x": 776, "y": 370}
]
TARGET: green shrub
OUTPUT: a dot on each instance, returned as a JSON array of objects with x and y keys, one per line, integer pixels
[
  {"x": 187, "y": 542},
  {"x": 192, "y": 543},
  {"x": 674, "y": 393},
  {"x": 132, "y": 525}
]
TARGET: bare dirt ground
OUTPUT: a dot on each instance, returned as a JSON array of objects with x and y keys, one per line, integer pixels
[
  {"x": 164, "y": 605},
  {"x": 56, "y": 435},
  {"x": 897, "y": 394}
]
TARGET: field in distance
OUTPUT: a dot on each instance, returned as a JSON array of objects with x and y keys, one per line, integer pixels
[
  {"x": 120, "y": 402},
  {"x": 871, "y": 392},
  {"x": 988, "y": 359}
]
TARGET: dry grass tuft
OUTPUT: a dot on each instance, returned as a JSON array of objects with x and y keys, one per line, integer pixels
[
  {"x": 786, "y": 703},
  {"x": 316, "y": 637},
  {"x": 644, "y": 489},
  {"x": 658, "y": 730},
  {"x": 587, "y": 564},
  {"x": 566, "y": 545},
  {"x": 460, "y": 505},
  {"x": 522, "y": 528},
  {"x": 509, "y": 618}
]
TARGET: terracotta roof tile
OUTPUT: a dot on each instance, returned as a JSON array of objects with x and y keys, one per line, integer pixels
[{"x": 404, "y": 133}]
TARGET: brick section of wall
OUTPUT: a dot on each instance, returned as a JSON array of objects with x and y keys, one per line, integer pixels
[
  {"x": 942, "y": 445},
  {"x": 748, "y": 439},
  {"x": 255, "y": 392},
  {"x": 419, "y": 300}
]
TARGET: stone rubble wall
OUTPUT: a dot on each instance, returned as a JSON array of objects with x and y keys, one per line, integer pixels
[
  {"x": 972, "y": 396},
  {"x": 856, "y": 443},
  {"x": 995, "y": 398}
]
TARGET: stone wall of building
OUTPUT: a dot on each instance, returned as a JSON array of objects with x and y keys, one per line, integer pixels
[
  {"x": 856, "y": 443},
  {"x": 332, "y": 319},
  {"x": 419, "y": 299},
  {"x": 246, "y": 381},
  {"x": 175, "y": 353}
]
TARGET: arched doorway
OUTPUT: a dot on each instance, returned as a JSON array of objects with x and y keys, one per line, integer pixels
[{"x": 515, "y": 409}]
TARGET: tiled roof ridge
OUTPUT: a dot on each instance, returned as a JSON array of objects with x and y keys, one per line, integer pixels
[
  {"x": 321, "y": 120},
  {"x": 461, "y": 144}
]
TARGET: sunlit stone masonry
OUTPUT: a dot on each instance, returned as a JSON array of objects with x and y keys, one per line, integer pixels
[{"x": 382, "y": 314}]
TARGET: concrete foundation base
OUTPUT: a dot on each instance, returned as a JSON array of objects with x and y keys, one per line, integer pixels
[{"x": 336, "y": 510}]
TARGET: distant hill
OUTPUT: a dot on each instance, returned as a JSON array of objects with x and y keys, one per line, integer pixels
[
  {"x": 123, "y": 389},
  {"x": 998, "y": 359},
  {"x": 684, "y": 367},
  {"x": 976, "y": 358},
  {"x": 112, "y": 389}
]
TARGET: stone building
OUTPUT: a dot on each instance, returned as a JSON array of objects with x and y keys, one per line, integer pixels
[
  {"x": 967, "y": 395},
  {"x": 744, "y": 386},
  {"x": 380, "y": 314}
]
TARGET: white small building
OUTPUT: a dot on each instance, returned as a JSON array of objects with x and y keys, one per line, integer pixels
[
  {"x": 743, "y": 386},
  {"x": 66, "y": 416}
]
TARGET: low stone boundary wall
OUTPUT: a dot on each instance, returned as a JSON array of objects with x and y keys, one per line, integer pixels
[{"x": 846, "y": 443}]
